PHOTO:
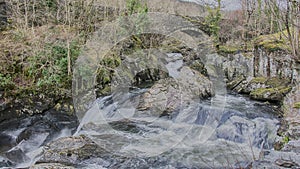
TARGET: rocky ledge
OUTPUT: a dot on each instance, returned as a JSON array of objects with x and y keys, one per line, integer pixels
[{"x": 262, "y": 88}]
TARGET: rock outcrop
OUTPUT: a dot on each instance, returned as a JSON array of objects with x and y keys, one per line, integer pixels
[
  {"x": 264, "y": 76},
  {"x": 168, "y": 94}
]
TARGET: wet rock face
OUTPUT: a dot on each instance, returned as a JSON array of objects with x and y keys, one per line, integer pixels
[
  {"x": 6, "y": 142},
  {"x": 4, "y": 162},
  {"x": 259, "y": 64},
  {"x": 20, "y": 136},
  {"x": 17, "y": 155}
]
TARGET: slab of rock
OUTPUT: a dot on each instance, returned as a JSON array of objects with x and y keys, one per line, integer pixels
[
  {"x": 71, "y": 151},
  {"x": 270, "y": 94}
]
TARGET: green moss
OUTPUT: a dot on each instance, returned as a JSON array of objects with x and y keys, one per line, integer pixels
[
  {"x": 284, "y": 90},
  {"x": 228, "y": 49},
  {"x": 270, "y": 94},
  {"x": 5, "y": 81},
  {"x": 259, "y": 80},
  {"x": 262, "y": 91},
  {"x": 276, "y": 82},
  {"x": 285, "y": 139},
  {"x": 271, "y": 82},
  {"x": 273, "y": 42},
  {"x": 297, "y": 105}
]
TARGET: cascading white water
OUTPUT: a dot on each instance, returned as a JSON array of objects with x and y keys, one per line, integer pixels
[{"x": 244, "y": 129}]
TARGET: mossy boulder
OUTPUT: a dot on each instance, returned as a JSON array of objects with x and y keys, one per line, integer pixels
[
  {"x": 265, "y": 83},
  {"x": 261, "y": 88},
  {"x": 270, "y": 94}
]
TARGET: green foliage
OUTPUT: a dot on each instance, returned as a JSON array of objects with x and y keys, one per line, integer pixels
[
  {"x": 135, "y": 6},
  {"x": 139, "y": 21},
  {"x": 50, "y": 66},
  {"x": 52, "y": 4},
  {"x": 5, "y": 81},
  {"x": 285, "y": 139},
  {"x": 212, "y": 21}
]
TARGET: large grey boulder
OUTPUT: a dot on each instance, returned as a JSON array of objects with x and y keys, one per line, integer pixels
[
  {"x": 71, "y": 151},
  {"x": 169, "y": 94}
]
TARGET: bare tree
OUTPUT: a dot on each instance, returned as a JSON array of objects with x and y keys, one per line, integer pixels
[{"x": 286, "y": 14}]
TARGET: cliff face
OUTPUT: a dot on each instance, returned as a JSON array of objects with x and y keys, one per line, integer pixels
[
  {"x": 262, "y": 64},
  {"x": 274, "y": 64}
]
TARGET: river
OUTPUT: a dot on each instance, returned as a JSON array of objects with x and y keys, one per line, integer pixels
[{"x": 183, "y": 138}]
